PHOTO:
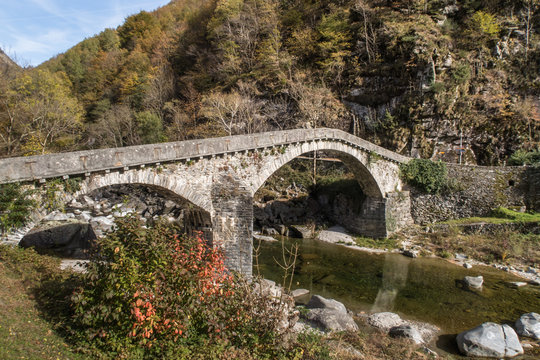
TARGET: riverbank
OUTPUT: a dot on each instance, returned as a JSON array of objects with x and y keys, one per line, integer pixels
[{"x": 33, "y": 314}]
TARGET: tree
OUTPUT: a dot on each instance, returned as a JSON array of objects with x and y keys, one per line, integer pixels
[
  {"x": 11, "y": 130},
  {"x": 116, "y": 128},
  {"x": 335, "y": 43},
  {"x": 367, "y": 30},
  {"x": 136, "y": 29},
  {"x": 237, "y": 30},
  {"x": 484, "y": 26},
  {"x": 39, "y": 106},
  {"x": 160, "y": 88},
  {"x": 527, "y": 16},
  {"x": 236, "y": 112},
  {"x": 149, "y": 127},
  {"x": 317, "y": 105}
]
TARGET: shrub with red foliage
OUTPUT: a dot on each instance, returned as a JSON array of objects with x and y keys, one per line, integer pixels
[{"x": 155, "y": 292}]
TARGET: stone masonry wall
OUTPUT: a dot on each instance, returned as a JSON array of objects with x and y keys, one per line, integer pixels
[{"x": 480, "y": 190}]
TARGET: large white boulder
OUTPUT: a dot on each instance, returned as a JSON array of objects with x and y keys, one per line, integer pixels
[
  {"x": 529, "y": 325},
  {"x": 329, "y": 315},
  {"x": 490, "y": 340}
]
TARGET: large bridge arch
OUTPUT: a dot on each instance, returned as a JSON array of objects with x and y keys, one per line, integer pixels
[
  {"x": 378, "y": 178},
  {"x": 359, "y": 163}
]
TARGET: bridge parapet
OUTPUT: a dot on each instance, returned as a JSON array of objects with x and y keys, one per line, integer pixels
[{"x": 38, "y": 167}]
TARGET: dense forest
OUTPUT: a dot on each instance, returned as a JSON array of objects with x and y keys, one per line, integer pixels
[{"x": 416, "y": 76}]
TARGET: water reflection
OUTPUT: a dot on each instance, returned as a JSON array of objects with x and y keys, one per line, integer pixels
[{"x": 394, "y": 278}]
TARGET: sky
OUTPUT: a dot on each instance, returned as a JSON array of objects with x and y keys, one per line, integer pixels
[{"x": 33, "y": 31}]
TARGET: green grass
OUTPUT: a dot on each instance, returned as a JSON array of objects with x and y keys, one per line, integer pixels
[
  {"x": 498, "y": 216},
  {"x": 387, "y": 243},
  {"x": 25, "y": 332}
]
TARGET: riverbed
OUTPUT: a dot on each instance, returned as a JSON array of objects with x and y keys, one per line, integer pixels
[{"x": 424, "y": 289}]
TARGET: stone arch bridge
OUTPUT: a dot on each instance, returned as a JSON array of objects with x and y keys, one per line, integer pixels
[{"x": 220, "y": 176}]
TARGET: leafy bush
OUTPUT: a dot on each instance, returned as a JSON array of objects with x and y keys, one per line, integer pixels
[
  {"x": 426, "y": 175},
  {"x": 151, "y": 293},
  {"x": 15, "y": 206},
  {"x": 522, "y": 157}
]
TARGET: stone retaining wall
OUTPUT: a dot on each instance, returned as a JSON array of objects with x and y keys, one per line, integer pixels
[{"x": 480, "y": 190}]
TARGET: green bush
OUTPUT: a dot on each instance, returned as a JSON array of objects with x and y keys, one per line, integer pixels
[
  {"x": 426, "y": 175},
  {"x": 522, "y": 157},
  {"x": 151, "y": 293},
  {"x": 15, "y": 206}
]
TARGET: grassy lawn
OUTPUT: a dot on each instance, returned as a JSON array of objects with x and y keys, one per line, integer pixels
[{"x": 24, "y": 334}]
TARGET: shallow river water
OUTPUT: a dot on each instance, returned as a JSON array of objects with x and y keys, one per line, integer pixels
[{"x": 425, "y": 289}]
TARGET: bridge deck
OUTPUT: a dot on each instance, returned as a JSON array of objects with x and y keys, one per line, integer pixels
[{"x": 38, "y": 167}]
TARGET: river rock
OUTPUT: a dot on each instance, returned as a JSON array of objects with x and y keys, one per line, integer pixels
[
  {"x": 331, "y": 320},
  {"x": 467, "y": 266},
  {"x": 517, "y": 284},
  {"x": 269, "y": 231},
  {"x": 411, "y": 253},
  {"x": 56, "y": 216},
  {"x": 490, "y": 340},
  {"x": 74, "y": 265},
  {"x": 300, "y": 296},
  {"x": 529, "y": 325},
  {"x": 407, "y": 331},
  {"x": 319, "y": 302},
  {"x": 305, "y": 232},
  {"x": 329, "y": 315},
  {"x": 474, "y": 282},
  {"x": 102, "y": 223},
  {"x": 263, "y": 238},
  {"x": 70, "y": 240},
  {"x": 385, "y": 320},
  {"x": 336, "y": 234},
  {"x": 267, "y": 287},
  {"x": 426, "y": 330}
]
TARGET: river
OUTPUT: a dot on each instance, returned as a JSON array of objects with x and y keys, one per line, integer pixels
[{"x": 424, "y": 289}]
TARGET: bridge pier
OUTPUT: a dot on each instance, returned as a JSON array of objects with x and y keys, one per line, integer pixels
[
  {"x": 232, "y": 222},
  {"x": 379, "y": 217},
  {"x": 371, "y": 221}
]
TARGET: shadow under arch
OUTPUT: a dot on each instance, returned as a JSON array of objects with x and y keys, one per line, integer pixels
[
  {"x": 371, "y": 218},
  {"x": 194, "y": 218},
  {"x": 365, "y": 178}
]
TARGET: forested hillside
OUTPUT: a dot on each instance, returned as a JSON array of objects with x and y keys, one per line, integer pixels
[{"x": 410, "y": 75}]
